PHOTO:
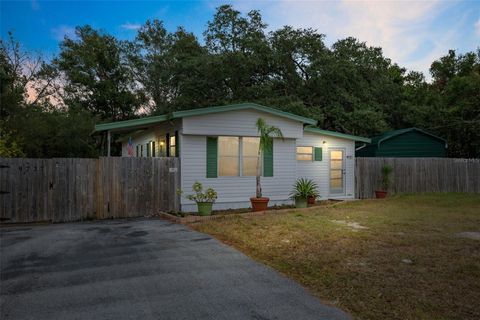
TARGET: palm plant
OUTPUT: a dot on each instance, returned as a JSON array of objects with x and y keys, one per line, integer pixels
[{"x": 267, "y": 133}]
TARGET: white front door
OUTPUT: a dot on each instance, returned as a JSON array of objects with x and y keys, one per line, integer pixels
[{"x": 337, "y": 172}]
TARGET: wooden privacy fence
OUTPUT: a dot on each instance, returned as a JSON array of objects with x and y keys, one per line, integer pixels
[
  {"x": 411, "y": 175},
  {"x": 73, "y": 189}
]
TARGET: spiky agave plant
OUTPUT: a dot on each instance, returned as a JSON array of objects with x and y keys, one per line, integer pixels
[
  {"x": 304, "y": 188},
  {"x": 386, "y": 176},
  {"x": 267, "y": 133}
]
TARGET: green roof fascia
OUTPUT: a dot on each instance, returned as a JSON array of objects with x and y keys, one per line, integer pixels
[
  {"x": 130, "y": 123},
  {"x": 336, "y": 134},
  {"x": 198, "y": 112},
  {"x": 241, "y": 106}
]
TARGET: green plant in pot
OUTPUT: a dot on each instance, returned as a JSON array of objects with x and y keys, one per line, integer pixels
[
  {"x": 386, "y": 180},
  {"x": 302, "y": 190},
  {"x": 266, "y": 133},
  {"x": 204, "y": 199}
]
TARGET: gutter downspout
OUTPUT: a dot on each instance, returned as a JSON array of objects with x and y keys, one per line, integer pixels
[{"x": 361, "y": 147}]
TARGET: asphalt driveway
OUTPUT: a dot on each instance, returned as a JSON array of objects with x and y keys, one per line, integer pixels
[{"x": 140, "y": 269}]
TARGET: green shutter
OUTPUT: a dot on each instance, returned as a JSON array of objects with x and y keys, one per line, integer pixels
[
  {"x": 318, "y": 154},
  {"x": 212, "y": 146},
  {"x": 268, "y": 161}
]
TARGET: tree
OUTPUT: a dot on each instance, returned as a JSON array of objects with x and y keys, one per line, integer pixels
[
  {"x": 239, "y": 50},
  {"x": 456, "y": 87},
  {"x": 30, "y": 124},
  {"x": 98, "y": 76},
  {"x": 174, "y": 69},
  {"x": 267, "y": 133}
]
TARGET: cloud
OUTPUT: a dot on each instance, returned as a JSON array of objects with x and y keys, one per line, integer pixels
[
  {"x": 62, "y": 31},
  {"x": 411, "y": 33},
  {"x": 131, "y": 26}
]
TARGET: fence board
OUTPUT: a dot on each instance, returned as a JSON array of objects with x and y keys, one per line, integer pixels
[
  {"x": 60, "y": 190},
  {"x": 411, "y": 175}
]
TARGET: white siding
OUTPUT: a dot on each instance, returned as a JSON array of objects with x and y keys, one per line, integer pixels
[
  {"x": 235, "y": 192},
  {"x": 319, "y": 170},
  {"x": 239, "y": 123}
]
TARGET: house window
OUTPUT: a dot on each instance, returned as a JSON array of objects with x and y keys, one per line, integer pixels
[
  {"x": 250, "y": 155},
  {"x": 228, "y": 156},
  {"x": 305, "y": 153},
  {"x": 161, "y": 150},
  {"x": 137, "y": 150},
  {"x": 233, "y": 151},
  {"x": 151, "y": 149},
  {"x": 172, "y": 146}
]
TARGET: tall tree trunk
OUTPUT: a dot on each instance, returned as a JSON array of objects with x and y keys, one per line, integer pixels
[{"x": 259, "y": 187}]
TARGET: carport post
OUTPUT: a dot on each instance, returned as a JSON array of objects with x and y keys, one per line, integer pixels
[{"x": 108, "y": 143}]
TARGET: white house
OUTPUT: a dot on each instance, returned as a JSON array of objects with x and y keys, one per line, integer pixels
[{"x": 217, "y": 147}]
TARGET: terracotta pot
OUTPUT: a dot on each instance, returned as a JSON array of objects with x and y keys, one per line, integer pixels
[
  {"x": 259, "y": 204},
  {"x": 311, "y": 200},
  {"x": 380, "y": 194}
]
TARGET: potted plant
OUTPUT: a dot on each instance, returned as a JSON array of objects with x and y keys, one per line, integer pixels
[
  {"x": 386, "y": 180},
  {"x": 304, "y": 189},
  {"x": 204, "y": 200},
  {"x": 267, "y": 133}
]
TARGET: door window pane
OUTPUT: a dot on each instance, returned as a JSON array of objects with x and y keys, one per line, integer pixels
[
  {"x": 336, "y": 183},
  {"x": 336, "y": 164},
  {"x": 336, "y": 155},
  {"x": 336, "y": 174},
  {"x": 228, "y": 155}
]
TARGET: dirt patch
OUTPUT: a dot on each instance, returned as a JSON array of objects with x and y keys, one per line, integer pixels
[
  {"x": 469, "y": 235},
  {"x": 354, "y": 225}
]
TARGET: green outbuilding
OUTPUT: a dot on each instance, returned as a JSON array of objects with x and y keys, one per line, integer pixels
[{"x": 409, "y": 142}]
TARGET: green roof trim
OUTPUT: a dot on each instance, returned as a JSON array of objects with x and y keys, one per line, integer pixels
[
  {"x": 129, "y": 123},
  {"x": 390, "y": 134},
  {"x": 198, "y": 112},
  {"x": 313, "y": 129},
  {"x": 242, "y": 106}
]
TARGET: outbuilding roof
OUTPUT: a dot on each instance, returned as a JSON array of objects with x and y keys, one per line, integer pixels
[
  {"x": 146, "y": 121},
  {"x": 391, "y": 134}
]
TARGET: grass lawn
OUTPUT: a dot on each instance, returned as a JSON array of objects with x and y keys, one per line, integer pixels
[{"x": 408, "y": 263}]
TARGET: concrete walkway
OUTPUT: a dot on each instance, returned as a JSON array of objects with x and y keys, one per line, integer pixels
[{"x": 140, "y": 269}]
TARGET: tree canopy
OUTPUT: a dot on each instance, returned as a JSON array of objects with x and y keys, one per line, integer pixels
[{"x": 348, "y": 87}]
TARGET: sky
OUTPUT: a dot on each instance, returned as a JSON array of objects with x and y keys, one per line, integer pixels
[{"x": 411, "y": 33}]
